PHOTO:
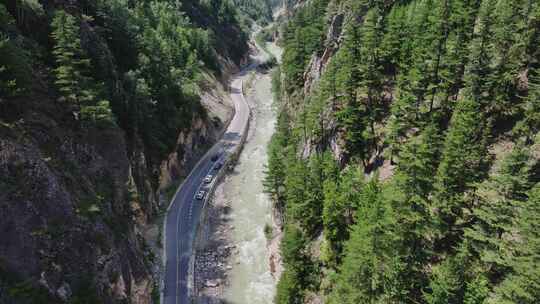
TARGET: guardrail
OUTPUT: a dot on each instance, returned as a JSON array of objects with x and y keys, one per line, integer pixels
[{"x": 230, "y": 159}]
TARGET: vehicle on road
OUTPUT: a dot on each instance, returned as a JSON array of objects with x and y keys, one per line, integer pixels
[
  {"x": 218, "y": 166},
  {"x": 215, "y": 157},
  {"x": 200, "y": 195},
  {"x": 208, "y": 179}
]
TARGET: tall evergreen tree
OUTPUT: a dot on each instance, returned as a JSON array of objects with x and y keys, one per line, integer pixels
[
  {"x": 499, "y": 200},
  {"x": 365, "y": 275},
  {"x": 463, "y": 163},
  {"x": 522, "y": 285},
  {"x": 479, "y": 69},
  {"x": 409, "y": 195},
  {"x": 341, "y": 197},
  {"x": 529, "y": 126},
  {"x": 290, "y": 289},
  {"x": 351, "y": 114},
  {"x": 447, "y": 280},
  {"x": 72, "y": 62}
]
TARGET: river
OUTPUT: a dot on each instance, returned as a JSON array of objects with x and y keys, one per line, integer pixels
[{"x": 250, "y": 279}]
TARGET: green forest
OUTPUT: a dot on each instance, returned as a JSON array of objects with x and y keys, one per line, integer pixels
[
  {"x": 141, "y": 72},
  {"x": 409, "y": 171},
  {"x": 94, "y": 96},
  {"x": 259, "y": 11}
]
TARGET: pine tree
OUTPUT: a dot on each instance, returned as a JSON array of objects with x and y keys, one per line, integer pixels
[
  {"x": 496, "y": 207},
  {"x": 27, "y": 9},
  {"x": 288, "y": 290},
  {"x": 448, "y": 226},
  {"x": 522, "y": 285},
  {"x": 296, "y": 183},
  {"x": 441, "y": 31},
  {"x": 529, "y": 126},
  {"x": 409, "y": 195},
  {"x": 72, "y": 63},
  {"x": 479, "y": 71},
  {"x": 8, "y": 85},
  {"x": 351, "y": 114},
  {"x": 333, "y": 222},
  {"x": 476, "y": 291},
  {"x": 296, "y": 262},
  {"x": 418, "y": 65},
  {"x": 395, "y": 39},
  {"x": 365, "y": 275},
  {"x": 447, "y": 282},
  {"x": 462, "y": 19},
  {"x": 341, "y": 196},
  {"x": 463, "y": 163},
  {"x": 99, "y": 114},
  {"x": 274, "y": 181},
  {"x": 509, "y": 35},
  {"x": 313, "y": 203},
  {"x": 15, "y": 68},
  {"x": 371, "y": 80},
  {"x": 405, "y": 112}
]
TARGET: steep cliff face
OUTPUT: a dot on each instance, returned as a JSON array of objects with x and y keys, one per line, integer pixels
[
  {"x": 76, "y": 196},
  {"x": 202, "y": 134},
  {"x": 70, "y": 202},
  {"x": 67, "y": 232}
]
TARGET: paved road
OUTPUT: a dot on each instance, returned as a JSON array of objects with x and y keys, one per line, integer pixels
[{"x": 183, "y": 215}]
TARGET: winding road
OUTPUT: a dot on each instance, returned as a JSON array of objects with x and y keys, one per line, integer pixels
[{"x": 184, "y": 213}]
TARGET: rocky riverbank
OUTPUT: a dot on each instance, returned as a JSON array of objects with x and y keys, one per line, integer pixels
[{"x": 214, "y": 251}]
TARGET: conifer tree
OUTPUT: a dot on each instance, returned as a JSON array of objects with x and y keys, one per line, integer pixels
[
  {"x": 274, "y": 181},
  {"x": 447, "y": 282},
  {"x": 476, "y": 290},
  {"x": 441, "y": 31},
  {"x": 296, "y": 262},
  {"x": 509, "y": 36},
  {"x": 341, "y": 197},
  {"x": 409, "y": 195},
  {"x": 351, "y": 114},
  {"x": 394, "y": 42},
  {"x": 498, "y": 202},
  {"x": 8, "y": 83},
  {"x": 522, "y": 285},
  {"x": 72, "y": 63},
  {"x": 448, "y": 226},
  {"x": 479, "y": 70},
  {"x": 370, "y": 69},
  {"x": 365, "y": 274},
  {"x": 462, "y": 19},
  {"x": 296, "y": 182},
  {"x": 463, "y": 163},
  {"x": 529, "y": 126},
  {"x": 404, "y": 111}
]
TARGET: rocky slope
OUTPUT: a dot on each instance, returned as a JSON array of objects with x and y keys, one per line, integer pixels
[
  {"x": 74, "y": 198},
  {"x": 70, "y": 202}
]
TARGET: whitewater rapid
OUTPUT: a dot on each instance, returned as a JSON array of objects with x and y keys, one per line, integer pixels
[{"x": 250, "y": 279}]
